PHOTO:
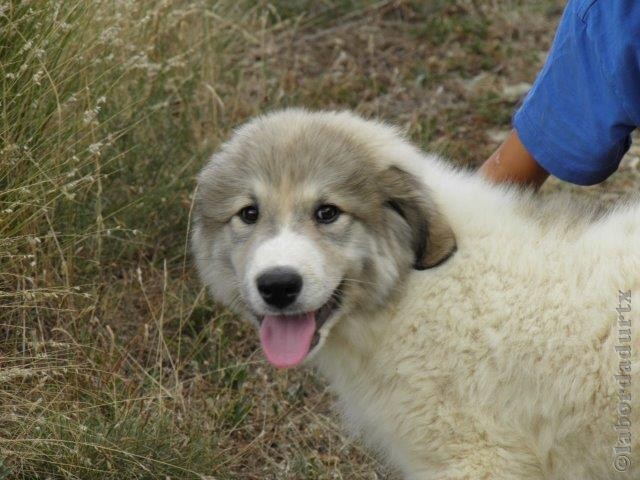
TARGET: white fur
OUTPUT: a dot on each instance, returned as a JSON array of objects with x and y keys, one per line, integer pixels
[
  {"x": 291, "y": 249},
  {"x": 499, "y": 363}
]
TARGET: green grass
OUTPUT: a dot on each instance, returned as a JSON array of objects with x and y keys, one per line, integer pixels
[
  {"x": 104, "y": 113},
  {"x": 113, "y": 364}
]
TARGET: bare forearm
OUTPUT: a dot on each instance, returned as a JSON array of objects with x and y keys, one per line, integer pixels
[{"x": 512, "y": 163}]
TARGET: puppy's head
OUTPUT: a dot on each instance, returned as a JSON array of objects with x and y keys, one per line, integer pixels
[{"x": 299, "y": 222}]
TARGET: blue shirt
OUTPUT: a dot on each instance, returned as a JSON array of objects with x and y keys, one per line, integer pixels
[{"x": 577, "y": 118}]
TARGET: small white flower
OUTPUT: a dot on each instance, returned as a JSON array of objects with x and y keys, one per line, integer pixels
[
  {"x": 37, "y": 77},
  {"x": 89, "y": 117},
  {"x": 26, "y": 46},
  {"x": 94, "y": 148}
]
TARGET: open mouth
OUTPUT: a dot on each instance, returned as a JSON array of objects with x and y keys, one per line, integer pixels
[{"x": 287, "y": 339}]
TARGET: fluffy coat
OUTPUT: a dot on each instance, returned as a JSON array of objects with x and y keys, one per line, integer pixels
[{"x": 500, "y": 362}]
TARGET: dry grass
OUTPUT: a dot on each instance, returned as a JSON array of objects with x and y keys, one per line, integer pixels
[{"x": 112, "y": 362}]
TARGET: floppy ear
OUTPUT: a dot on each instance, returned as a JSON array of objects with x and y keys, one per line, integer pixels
[{"x": 432, "y": 239}]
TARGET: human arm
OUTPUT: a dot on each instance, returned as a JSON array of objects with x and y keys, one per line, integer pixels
[
  {"x": 512, "y": 163},
  {"x": 577, "y": 118}
]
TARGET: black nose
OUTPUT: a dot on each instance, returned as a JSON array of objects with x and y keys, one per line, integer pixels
[{"x": 279, "y": 286}]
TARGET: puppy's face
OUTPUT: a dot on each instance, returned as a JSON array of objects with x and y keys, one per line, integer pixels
[{"x": 297, "y": 225}]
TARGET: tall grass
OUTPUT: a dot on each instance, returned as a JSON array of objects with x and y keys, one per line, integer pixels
[{"x": 108, "y": 108}]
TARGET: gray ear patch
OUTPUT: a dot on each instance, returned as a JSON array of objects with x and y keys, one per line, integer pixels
[{"x": 432, "y": 239}]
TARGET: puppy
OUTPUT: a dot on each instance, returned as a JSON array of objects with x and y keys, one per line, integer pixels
[{"x": 470, "y": 331}]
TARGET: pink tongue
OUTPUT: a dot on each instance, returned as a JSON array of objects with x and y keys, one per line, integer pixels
[{"x": 286, "y": 339}]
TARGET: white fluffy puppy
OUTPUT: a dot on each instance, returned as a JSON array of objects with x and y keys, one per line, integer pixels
[{"x": 470, "y": 331}]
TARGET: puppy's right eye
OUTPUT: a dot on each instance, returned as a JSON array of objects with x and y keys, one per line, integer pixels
[
  {"x": 249, "y": 214},
  {"x": 327, "y": 213}
]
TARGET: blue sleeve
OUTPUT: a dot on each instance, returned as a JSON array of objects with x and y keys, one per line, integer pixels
[{"x": 577, "y": 118}]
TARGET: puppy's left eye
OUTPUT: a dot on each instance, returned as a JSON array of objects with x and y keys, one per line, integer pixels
[
  {"x": 327, "y": 213},
  {"x": 249, "y": 214}
]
